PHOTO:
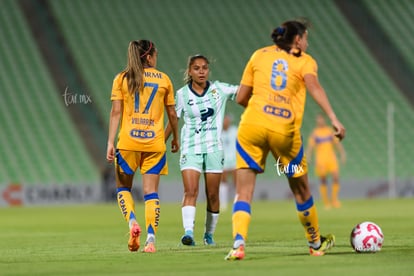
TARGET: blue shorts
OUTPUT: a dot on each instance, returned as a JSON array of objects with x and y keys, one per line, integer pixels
[{"x": 149, "y": 162}]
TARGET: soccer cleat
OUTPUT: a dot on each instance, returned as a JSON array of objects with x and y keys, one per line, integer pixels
[
  {"x": 326, "y": 243},
  {"x": 133, "y": 242},
  {"x": 208, "y": 239},
  {"x": 149, "y": 247},
  {"x": 188, "y": 238},
  {"x": 235, "y": 254}
]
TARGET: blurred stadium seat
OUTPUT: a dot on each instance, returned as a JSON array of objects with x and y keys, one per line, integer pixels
[
  {"x": 397, "y": 22},
  {"x": 39, "y": 143}
]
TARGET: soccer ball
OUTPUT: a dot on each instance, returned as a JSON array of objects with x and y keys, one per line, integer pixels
[{"x": 367, "y": 237}]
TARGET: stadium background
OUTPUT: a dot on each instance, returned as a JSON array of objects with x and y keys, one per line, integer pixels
[{"x": 58, "y": 60}]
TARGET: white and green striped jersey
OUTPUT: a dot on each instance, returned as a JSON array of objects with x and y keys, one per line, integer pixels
[{"x": 203, "y": 116}]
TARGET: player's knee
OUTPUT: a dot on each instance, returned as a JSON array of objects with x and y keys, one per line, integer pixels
[
  {"x": 213, "y": 198},
  {"x": 191, "y": 193}
]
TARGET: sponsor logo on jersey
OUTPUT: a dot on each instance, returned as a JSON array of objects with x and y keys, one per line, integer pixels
[
  {"x": 277, "y": 111},
  {"x": 144, "y": 134},
  {"x": 205, "y": 113}
]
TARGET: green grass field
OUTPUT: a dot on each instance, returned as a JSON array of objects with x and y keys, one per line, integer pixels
[{"x": 92, "y": 240}]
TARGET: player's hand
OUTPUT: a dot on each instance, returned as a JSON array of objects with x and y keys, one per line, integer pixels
[
  {"x": 110, "y": 153},
  {"x": 339, "y": 129},
  {"x": 175, "y": 145}
]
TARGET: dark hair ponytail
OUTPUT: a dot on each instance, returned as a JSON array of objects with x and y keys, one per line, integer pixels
[{"x": 284, "y": 35}]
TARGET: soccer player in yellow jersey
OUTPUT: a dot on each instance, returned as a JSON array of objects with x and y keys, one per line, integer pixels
[
  {"x": 139, "y": 96},
  {"x": 323, "y": 142},
  {"x": 273, "y": 90}
]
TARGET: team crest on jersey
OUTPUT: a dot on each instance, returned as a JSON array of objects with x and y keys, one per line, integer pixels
[{"x": 215, "y": 94}]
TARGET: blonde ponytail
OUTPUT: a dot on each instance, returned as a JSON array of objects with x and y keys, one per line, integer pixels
[{"x": 134, "y": 71}]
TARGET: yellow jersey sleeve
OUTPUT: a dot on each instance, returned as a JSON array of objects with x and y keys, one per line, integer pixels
[{"x": 116, "y": 93}]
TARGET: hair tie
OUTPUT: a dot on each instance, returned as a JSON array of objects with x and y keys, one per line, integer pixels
[
  {"x": 147, "y": 51},
  {"x": 280, "y": 30}
]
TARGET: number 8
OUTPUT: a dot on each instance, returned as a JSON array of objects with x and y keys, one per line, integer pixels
[{"x": 279, "y": 73}]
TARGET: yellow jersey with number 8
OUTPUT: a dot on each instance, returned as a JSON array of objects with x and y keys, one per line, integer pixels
[{"x": 279, "y": 92}]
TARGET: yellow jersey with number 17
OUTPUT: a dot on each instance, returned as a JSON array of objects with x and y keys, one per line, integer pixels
[
  {"x": 279, "y": 93},
  {"x": 142, "y": 123}
]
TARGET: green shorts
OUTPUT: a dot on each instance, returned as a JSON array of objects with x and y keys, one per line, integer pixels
[{"x": 211, "y": 162}]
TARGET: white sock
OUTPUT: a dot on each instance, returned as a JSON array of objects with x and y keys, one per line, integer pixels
[
  {"x": 150, "y": 238},
  {"x": 188, "y": 213},
  {"x": 224, "y": 195},
  {"x": 131, "y": 223},
  {"x": 211, "y": 222},
  {"x": 237, "y": 243},
  {"x": 315, "y": 245}
]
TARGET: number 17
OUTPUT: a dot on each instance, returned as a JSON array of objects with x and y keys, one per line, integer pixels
[{"x": 151, "y": 98}]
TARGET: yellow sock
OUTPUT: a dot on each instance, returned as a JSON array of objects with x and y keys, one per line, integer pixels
[
  {"x": 323, "y": 191},
  {"x": 309, "y": 219},
  {"x": 241, "y": 220},
  {"x": 152, "y": 212},
  {"x": 335, "y": 192},
  {"x": 126, "y": 203}
]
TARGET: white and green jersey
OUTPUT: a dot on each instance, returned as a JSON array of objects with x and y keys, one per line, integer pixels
[{"x": 203, "y": 116}]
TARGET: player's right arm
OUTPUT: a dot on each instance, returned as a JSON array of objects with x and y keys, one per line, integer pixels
[
  {"x": 243, "y": 94},
  {"x": 318, "y": 94},
  {"x": 172, "y": 127},
  {"x": 175, "y": 145},
  {"x": 115, "y": 116},
  {"x": 245, "y": 90}
]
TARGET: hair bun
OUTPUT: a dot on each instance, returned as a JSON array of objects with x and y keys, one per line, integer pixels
[{"x": 280, "y": 30}]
